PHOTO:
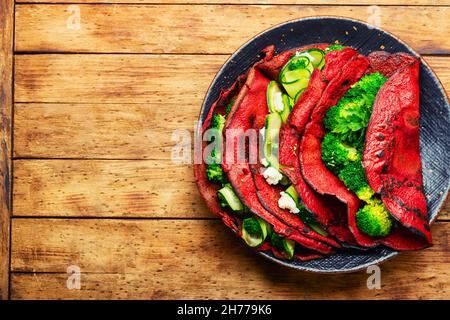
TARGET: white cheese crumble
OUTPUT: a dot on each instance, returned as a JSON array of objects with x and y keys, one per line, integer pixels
[
  {"x": 272, "y": 175},
  {"x": 278, "y": 102},
  {"x": 264, "y": 162},
  {"x": 286, "y": 202}
]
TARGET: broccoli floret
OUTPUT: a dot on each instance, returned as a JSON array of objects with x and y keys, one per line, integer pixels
[
  {"x": 350, "y": 117},
  {"x": 354, "y": 178},
  {"x": 334, "y": 47},
  {"x": 215, "y": 174},
  {"x": 369, "y": 84},
  {"x": 336, "y": 154},
  {"x": 252, "y": 226},
  {"x": 218, "y": 122},
  {"x": 374, "y": 220}
]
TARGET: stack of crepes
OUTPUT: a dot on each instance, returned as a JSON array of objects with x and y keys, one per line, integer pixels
[{"x": 326, "y": 218}]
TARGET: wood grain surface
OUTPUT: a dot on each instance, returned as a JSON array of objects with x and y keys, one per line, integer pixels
[
  {"x": 201, "y": 29},
  {"x": 93, "y": 185},
  {"x": 6, "y": 101},
  {"x": 259, "y": 2},
  {"x": 163, "y": 259},
  {"x": 131, "y": 188}
]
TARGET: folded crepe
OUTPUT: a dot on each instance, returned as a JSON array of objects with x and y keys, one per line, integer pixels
[{"x": 391, "y": 157}]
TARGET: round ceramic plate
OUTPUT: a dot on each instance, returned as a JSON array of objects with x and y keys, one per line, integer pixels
[{"x": 434, "y": 109}]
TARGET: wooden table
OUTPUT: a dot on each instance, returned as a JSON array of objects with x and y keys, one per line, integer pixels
[{"x": 91, "y": 92}]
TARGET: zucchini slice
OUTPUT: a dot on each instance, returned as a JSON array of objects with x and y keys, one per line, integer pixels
[
  {"x": 289, "y": 247},
  {"x": 255, "y": 231},
  {"x": 283, "y": 244},
  {"x": 227, "y": 198},
  {"x": 296, "y": 73},
  {"x": 293, "y": 194},
  {"x": 316, "y": 56},
  {"x": 289, "y": 77},
  {"x": 273, "y": 125},
  {"x": 287, "y": 108},
  {"x": 298, "y": 61},
  {"x": 278, "y": 101},
  {"x": 275, "y": 100},
  {"x": 300, "y": 84}
]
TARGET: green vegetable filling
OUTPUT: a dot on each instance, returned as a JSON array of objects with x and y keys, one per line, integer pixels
[
  {"x": 349, "y": 119},
  {"x": 337, "y": 154},
  {"x": 334, "y": 47},
  {"x": 214, "y": 171},
  {"x": 342, "y": 146},
  {"x": 374, "y": 220}
]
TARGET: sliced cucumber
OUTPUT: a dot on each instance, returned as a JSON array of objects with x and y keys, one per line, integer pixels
[
  {"x": 316, "y": 56},
  {"x": 273, "y": 125},
  {"x": 289, "y": 247},
  {"x": 254, "y": 231},
  {"x": 291, "y": 103},
  {"x": 283, "y": 244},
  {"x": 294, "y": 88},
  {"x": 287, "y": 108},
  {"x": 293, "y": 194},
  {"x": 285, "y": 181},
  {"x": 296, "y": 73},
  {"x": 227, "y": 198},
  {"x": 298, "y": 61},
  {"x": 265, "y": 227},
  {"x": 318, "y": 229},
  {"x": 278, "y": 101},
  {"x": 275, "y": 97},
  {"x": 289, "y": 77}
]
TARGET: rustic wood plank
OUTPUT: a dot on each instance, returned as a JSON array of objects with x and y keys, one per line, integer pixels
[
  {"x": 112, "y": 131},
  {"x": 6, "y": 99},
  {"x": 212, "y": 28},
  {"x": 258, "y": 2},
  {"x": 114, "y": 78},
  {"x": 154, "y": 259},
  {"x": 149, "y": 188},
  {"x": 129, "y": 78}
]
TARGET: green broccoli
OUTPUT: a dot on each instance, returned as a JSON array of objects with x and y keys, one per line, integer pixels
[
  {"x": 215, "y": 174},
  {"x": 374, "y": 220},
  {"x": 350, "y": 117},
  {"x": 214, "y": 171},
  {"x": 218, "y": 122},
  {"x": 354, "y": 178},
  {"x": 336, "y": 154},
  {"x": 334, "y": 47}
]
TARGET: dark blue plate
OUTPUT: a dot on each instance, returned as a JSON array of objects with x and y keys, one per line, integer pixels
[{"x": 434, "y": 108}]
